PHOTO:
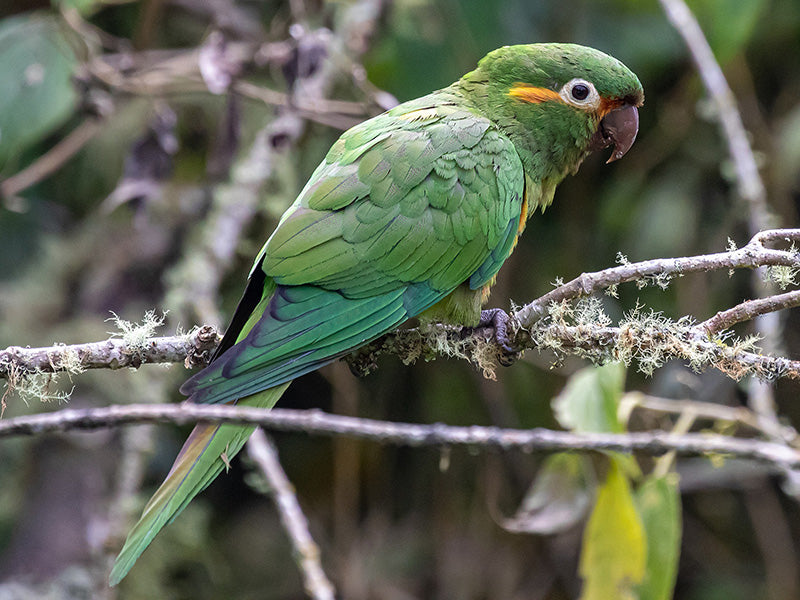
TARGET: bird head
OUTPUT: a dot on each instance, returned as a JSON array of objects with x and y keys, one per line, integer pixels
[{"x": 558, "y": 102}]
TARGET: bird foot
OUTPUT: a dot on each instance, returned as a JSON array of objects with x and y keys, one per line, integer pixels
[{"x": 498, "y": 319}]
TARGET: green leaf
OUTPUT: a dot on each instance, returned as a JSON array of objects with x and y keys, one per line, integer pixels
[
  {"x": 658, "y": 501},
  {"x": 559, "y": 497},
  {"x": 589, "y": 401},
  {"x": 36, "y": 65},
  {"x": 614, "y": 548}
]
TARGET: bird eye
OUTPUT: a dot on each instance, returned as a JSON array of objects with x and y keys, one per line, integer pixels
[
  {"x": 580, "y": 91},
  {"x": 581, "y": 94}
]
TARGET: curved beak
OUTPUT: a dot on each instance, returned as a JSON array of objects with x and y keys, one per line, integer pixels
[{"x": 619, "y": 127}]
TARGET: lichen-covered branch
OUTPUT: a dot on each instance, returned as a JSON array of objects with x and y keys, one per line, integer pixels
[
  {"x": 407, "y": 434},
  {"x": 661, "y": 270},
  {"x": 192, "y": 349},
  {"x": 550, "y": 322}
]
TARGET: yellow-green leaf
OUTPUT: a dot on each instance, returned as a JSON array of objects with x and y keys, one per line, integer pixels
[
  {"x": 658, "y": 501},
  {"x": 614, "y": 548}
]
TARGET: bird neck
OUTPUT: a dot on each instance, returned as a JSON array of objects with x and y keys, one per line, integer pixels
[{"x": 551, "y": 138}]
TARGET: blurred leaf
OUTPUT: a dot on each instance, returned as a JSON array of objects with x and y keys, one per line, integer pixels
[
  {"x": 84, "y": 7},
  {"x": 559, "y": 497},
  {"x": 36, "y": 63},
  {"x": 658, "y": 501},
  {"x": 614, "y": 546},
  {"x": 588, "y": 403},
  {"x": 728, "y": 24}
]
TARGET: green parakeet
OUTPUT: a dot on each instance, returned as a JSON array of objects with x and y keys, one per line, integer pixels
[{"x": 411, "y": 213}]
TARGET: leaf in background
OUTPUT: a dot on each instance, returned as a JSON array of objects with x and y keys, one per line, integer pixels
[
  {"x": 588, "y": 403},
  {"x": 36, "y": 64},
  {"x": 559, "y": 497},
  {"x": 614, "y": 548},
  {"x": 658, "y": 501}
]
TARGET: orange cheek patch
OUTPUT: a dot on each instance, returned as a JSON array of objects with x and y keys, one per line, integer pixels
[{"x": 534, "y": 95}]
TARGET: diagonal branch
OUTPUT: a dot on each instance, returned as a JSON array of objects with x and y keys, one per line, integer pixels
[
  {"x": 748, "y": 310},
  {"x": 265, "y": 455},
  {"x": 750, "y": 185},
  {"x": 754, "y": 254}
]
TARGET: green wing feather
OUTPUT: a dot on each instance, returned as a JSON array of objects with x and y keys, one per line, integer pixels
[
  {"x": 405, "y": 208},
  {"x": 204, "y": 455}
]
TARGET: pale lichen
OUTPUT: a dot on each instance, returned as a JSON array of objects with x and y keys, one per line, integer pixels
[
  {"x": 136, "y": 335},
  {"x": 783, "y": 275}
]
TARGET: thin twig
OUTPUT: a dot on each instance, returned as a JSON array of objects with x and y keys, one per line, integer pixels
[
  {"x": 748, "y": 310},
  {"x": 749, "y": 183},
  {"x": 52, "y": 160},
  {"x": 406, "y": 434},
  {"x": 265, "y": 455},
  {"x": 713, "y": 412}
]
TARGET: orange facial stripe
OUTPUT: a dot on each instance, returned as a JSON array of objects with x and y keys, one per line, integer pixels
[
  {"x": 534, "y": 95},
  {"x": 607, "y": 105}
]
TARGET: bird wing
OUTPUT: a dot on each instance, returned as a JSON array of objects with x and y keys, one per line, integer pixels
[{"x": 405, "y": 208}]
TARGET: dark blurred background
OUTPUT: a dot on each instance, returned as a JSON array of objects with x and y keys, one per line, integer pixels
[{"x": 166, "y": 180}]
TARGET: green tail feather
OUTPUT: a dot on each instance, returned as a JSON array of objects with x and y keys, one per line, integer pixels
[{"x": 199, "y": 462}]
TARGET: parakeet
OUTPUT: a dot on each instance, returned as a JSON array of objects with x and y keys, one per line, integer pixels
[{"x": 411, "y": 214}]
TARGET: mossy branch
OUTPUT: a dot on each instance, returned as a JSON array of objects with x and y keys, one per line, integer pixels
[{"x": 552, "y": 322}]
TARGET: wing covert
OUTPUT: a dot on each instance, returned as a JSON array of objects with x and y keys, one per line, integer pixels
[{"x": 412, "y": 196}]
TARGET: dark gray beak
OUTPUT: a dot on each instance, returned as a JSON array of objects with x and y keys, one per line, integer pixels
[{"x": 619, "y": 127}]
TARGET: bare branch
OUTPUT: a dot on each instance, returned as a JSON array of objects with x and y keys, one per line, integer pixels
[
  {"x": 52, "y": 160},
  {"x": 406, "y": 434},
  {"x": 713, "y": 412},
  {"x": 749, "y": 183},
  {"x": 265, "y": 455}
]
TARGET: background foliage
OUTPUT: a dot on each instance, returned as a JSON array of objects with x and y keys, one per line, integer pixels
[{"x": 119, "y": 226}]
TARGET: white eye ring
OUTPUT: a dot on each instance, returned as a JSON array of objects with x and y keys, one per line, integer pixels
[{"x": 580, "y": 93}]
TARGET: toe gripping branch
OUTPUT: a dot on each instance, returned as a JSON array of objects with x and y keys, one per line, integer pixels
[{"x": 499, "y": 320}]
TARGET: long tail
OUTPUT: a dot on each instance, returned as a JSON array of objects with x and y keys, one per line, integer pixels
[{"x": 202, "y": 458}]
